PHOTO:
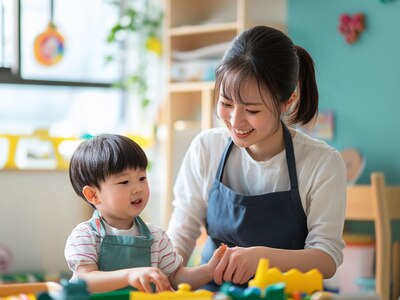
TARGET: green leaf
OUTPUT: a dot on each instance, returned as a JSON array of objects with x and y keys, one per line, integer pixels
[{"x": 145, "y": 102}]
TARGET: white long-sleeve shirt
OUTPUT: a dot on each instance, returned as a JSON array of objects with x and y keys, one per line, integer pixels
[{"x": 321, "y": 177}]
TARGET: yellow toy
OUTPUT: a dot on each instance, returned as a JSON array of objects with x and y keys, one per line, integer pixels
[
  {"x": 295, "y": 280},
  {"x": 183, "y": 292}
]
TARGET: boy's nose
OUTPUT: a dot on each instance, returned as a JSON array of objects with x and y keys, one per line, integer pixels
[{"x": 137, "y": 189}]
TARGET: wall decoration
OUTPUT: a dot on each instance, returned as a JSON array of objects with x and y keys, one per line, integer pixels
[
  {"x": 351, "y": 26},
  {"x": 323, "y": 126},
  {"x": 49, "y": 45}
]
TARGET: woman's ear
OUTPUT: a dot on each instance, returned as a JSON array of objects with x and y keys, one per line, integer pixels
[
  {"x": 90, "y": 194},
  {"x": 293, "y": 99}
]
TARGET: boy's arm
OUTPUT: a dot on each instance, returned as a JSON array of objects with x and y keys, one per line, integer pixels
[
  {"x": 139, "y": 278},
  {"x": 200, "y": 275}
]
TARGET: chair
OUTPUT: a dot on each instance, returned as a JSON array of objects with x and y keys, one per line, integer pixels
[{"x": 379, "y": 203}]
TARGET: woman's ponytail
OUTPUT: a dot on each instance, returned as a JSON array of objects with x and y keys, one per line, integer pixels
[{"x": 306, "y": 108}]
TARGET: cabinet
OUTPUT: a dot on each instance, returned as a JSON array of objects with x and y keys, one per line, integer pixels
[{"x": 192, "y": 26}]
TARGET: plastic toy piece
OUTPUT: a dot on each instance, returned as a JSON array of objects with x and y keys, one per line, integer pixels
[
  {"x": 183, "y": 292},
  {"x": 115, "y": 295},
  {"x": 276, "y": 292},
  {"x": 272, "y": 292},
  {"x": 236, "y": 293},
  {"x": 74, "y": 291},
  {"x": 295, "y": 280},
  {"x": 27, "y": 288}
]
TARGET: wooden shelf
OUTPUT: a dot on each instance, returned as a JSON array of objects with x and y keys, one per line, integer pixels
[
  {"x": 202, "y": 29},
  {"x": 193, "y": 86},
  {"x": 191, "y": 25}
]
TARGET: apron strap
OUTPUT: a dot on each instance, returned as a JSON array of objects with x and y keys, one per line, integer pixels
[
  {"x": 223, "y": 160},
  {"x": 98, "y": 225},
  {"x": 291, "y": 162}
]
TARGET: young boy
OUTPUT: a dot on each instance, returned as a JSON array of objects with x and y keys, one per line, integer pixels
[{"x": 115, "y": 248}]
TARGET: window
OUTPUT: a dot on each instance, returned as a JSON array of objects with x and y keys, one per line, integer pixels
[
  {"x": 6, "y": 33},
  {"x": 73, "y": 97},
  {"x": 84, "y": 25}
]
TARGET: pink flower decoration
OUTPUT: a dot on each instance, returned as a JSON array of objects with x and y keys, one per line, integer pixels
[{"x": 351, "y": 26}]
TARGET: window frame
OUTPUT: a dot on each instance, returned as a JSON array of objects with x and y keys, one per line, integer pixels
[{"x": 12, "y": 75}]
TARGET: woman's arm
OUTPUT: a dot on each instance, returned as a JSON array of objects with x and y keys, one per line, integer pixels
[
  {"x": 139, "y": 278},
  {"x": 189, "y": 203},
  {"x": 240, "y": 264}
]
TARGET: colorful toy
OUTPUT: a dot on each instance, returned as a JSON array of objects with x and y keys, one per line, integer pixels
[
  {"x": 351, "y": 26},
  {"x": 272, "y": 292},
  {"x": 295, "y": 280},
  {"x": 268, "y": 284},
  {"x": 7, "y": 290},
  {"x": 183, "y": 292}
]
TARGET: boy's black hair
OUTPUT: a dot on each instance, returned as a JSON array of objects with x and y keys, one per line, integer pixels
[{"x": 102, "y": 156}]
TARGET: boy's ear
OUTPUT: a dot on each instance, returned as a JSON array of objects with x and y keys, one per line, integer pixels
[{"x": 90, "y": 194}]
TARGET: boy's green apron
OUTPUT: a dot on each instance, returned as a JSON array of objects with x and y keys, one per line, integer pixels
[{"x": 123, "y": 252}]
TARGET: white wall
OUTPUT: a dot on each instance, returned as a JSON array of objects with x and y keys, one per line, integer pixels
[{"x": 38, "y": 210}]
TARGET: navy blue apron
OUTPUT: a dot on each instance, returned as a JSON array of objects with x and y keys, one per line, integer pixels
[{"x": 275, "y": 220}]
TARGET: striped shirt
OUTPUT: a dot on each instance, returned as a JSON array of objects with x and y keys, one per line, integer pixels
[{"x": 83, "y": 246}]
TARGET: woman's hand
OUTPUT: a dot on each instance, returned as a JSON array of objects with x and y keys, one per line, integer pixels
[
  {"x": 141, "y": 279},
  {"x": 237, "y": 265}
]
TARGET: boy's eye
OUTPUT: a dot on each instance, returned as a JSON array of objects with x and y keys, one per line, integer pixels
[
  {"x": 144, "y": 178},
  {"x": 124, "y": 182}
]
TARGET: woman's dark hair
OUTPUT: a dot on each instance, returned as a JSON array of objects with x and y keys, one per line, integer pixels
[
  {"x": 269, "y": 57},
  {"x": 102, "y": 156}
]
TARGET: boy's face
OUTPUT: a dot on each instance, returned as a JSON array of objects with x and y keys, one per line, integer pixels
[{"x": 123, "y": 196}]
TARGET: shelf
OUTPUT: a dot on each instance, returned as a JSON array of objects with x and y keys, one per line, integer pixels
[
  {"x": 193, "y": 86},
  {"x": 181, "y": 125},
  {"x": 192, "y": 25},
  {"x": 202, "y": 29}
]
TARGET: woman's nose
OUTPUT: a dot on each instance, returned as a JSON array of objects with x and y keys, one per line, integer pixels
[{"x": 236, "y": 117}]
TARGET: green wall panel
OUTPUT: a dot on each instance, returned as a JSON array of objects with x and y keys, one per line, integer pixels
[{"x": 359, "y": 82}]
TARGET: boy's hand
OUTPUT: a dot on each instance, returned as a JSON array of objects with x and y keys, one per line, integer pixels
[
  {"x": 141, "y": 279},
  {"x": 215, "y": 259}
]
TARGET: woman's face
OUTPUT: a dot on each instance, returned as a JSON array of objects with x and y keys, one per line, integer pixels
[{"x": 251, "y": 124}]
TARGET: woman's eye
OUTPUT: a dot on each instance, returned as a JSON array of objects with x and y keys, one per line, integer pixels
[
  {"x": 224, "y": 104},
  {"x": 253, "y": 112}
]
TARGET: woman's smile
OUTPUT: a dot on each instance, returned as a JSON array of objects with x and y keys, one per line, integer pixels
[{"x": 242, "y": 133}]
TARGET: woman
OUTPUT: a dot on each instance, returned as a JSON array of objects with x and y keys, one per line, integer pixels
[{"x": 262, "y": 188}]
